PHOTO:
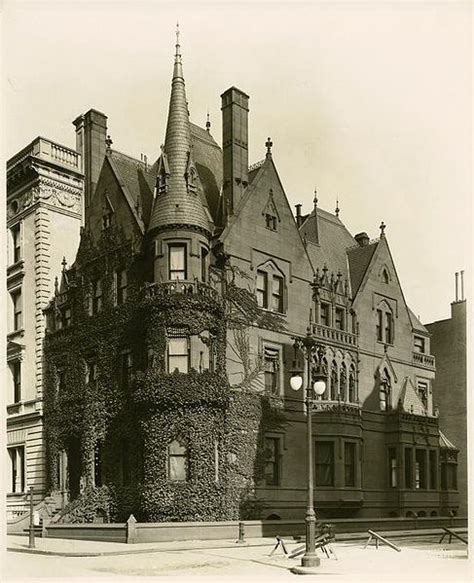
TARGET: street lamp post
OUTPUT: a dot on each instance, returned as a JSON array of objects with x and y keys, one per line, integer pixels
[{"x": 315, "y": 382}]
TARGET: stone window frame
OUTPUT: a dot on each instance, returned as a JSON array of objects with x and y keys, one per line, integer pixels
[
  {"x": 276, "y": 459},
  {"x": 18, "y": 461},
  {"x": 278, "y": 349},
  {"x": 269, "y": 272}
]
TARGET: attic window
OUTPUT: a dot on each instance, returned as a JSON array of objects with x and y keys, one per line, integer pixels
[
  {"x": 271, "y": 222},
  {"x": 385, "y": 276}
]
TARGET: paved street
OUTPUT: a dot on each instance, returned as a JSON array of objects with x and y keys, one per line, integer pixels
[{"x": 419, "y": 561}]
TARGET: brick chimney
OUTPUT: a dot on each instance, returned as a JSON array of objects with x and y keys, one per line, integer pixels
[
  {"x": 91, "y": 133},
  {"x": 235, "y": 108}
]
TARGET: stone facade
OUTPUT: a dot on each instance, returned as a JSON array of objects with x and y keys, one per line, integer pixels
[
  {"x": 44, "y": 211},
  {"x": 199, "y": 250}
]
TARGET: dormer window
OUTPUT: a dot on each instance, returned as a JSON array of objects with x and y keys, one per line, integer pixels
[
  {"x": 419, "y": 344},
  {"x": 271, "y": 222}
]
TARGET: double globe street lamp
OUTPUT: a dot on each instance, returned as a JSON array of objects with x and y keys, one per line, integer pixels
[{"x": 315, "y": 385}]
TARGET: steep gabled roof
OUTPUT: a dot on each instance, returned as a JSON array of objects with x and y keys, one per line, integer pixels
[
  {"x": 416, "y": 324},
  {"x": 138, "y": 181},
  {"x": 409, "y": 400},
  {"x": 359, "y": 259},
  {"x": 332, "y": 241}
]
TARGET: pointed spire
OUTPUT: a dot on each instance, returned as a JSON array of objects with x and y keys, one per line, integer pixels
[
  {"x": 178, "y": 200},
  {"x": 316, "y": 226}
]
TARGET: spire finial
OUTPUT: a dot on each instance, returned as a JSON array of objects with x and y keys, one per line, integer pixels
[
  {"x": 177, "y": 39},
  {"x": 208, "y": 122},
  {"x": 315, "y": 199},
  {"x": 269, "y": 145},
  {"x": 337, "y": 208},
  {"x": 108, "y": 143},
  {"x": 64, "y": 263},
  {"x": 382, "y": 229}
]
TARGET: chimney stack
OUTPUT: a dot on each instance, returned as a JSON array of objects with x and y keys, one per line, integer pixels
[
  {"x": 462, "y": 285},
  {"x": 91, "y": 134},
  {"x": 298, "y": 215},
  {"x": 235, "y": 108},
  {"x": 456, "y": 276},
  {"x": 362, "y": 239}
]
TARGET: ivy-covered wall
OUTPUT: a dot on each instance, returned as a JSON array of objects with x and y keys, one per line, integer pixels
[{"x": 131, "y": 424}]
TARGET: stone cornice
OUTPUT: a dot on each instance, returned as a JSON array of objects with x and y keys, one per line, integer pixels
[{"x": 57, "y": 194}]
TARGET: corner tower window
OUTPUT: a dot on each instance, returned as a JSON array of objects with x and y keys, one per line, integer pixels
[
  {"x": 177, "y": 462},
  {"x": 177, "y": 261},
  {"x": 178, "y": 354}
]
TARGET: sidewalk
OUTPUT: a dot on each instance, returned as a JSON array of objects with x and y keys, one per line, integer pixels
[
  {"x": 61, "y": 547},
  {"x": 86, "y": 548}
]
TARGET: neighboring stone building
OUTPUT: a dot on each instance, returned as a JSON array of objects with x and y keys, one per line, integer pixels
[
  {"x": 167, "y": 389},
  {"x": 44, "y": 210},
  {"x": 448, "y": 344}
]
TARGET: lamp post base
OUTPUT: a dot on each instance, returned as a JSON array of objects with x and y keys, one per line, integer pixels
[
  {"x": 299, "y": 570},
  {"x": 309, "y": 565}
]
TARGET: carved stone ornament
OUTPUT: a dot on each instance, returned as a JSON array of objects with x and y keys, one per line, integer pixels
[{"x": 54, "y": 193}]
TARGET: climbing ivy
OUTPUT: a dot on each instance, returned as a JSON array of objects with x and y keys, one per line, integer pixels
[{"x": 221, "y": 427}]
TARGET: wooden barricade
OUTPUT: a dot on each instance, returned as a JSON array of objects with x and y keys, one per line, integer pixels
[{"x": 380, "y": 539}]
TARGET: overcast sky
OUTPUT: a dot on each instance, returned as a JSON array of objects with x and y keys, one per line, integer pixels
[{"x": 370, "y": 102}]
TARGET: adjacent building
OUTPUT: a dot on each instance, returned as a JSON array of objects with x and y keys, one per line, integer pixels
[
  {"x": 44, "y": 211},
  {"x": 448, "y": 344},
  {"x": 170, "y": 344}
]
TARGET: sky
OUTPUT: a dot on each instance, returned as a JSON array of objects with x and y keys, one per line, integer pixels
[{"x": 369, "y": 102}]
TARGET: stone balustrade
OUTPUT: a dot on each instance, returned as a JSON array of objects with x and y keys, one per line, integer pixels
[
  {"x": 48, "y": 150},
  {"x": 181, "y": 287},
  {"x": 424, "y": 360},
  {"x": 334, "y": 335}
]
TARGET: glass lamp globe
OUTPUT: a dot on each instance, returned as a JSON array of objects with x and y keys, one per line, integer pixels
[
  {"x": 296, "y": 382},
  {"x": 319, "y": 387}
]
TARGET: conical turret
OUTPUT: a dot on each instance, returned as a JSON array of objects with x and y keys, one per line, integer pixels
[{"x": 178, "y": 198}]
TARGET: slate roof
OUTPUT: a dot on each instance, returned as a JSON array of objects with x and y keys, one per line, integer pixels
[
  {"x": 410, "y": 401},
  {"x": 180, "y": 203},
  {"x": 444, "y": 442},
  {"x": 207, "y": 156},
  {"x": 359, "y": 259},
  {"x": 139, "y": 181},
  {"x": 334, "y": 239},
  {"x": 416, "y": 324}
]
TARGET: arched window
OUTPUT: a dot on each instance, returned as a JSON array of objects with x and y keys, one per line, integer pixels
[
  {"x": 385, "y": 275},
  {"x": 334, "y": 382},
  {"x": 384, "y": 327},
  {"x": 352, "y": 385},
  {"x": 385, "y": 391},
  {"x": 177, "y": 462},
  {"x": 343, "y": 383}
]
